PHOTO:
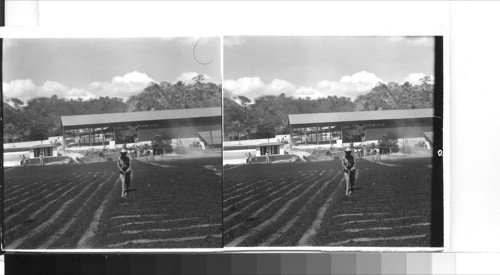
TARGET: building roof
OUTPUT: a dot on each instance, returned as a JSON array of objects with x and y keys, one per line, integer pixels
[
  {"x": 137, "y": 117},
  {"x": 269, "y": 144},
  {"x": 25, "y": 147},
  {"x": 429, "y": 136},
  {"x": 43, "y": 146},
  {"x": 323, "y": 118},
  {"x": 216, "y": 137}
]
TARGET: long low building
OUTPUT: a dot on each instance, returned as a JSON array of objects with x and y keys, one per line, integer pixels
[
  {"x": 321, "y": 128},
  {"x": 181, "y": 123}
]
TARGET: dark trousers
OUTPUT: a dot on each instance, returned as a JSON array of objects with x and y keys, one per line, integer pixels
[
  {"x": 350, "y": 177},
  {"x": 125, "y": 179}
]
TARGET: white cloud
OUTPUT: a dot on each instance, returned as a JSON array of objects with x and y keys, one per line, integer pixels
[
  {"x": 414, "y": 78},
  {"x": 279, "y": 86},
  {"x": 187, "y": 77},
  {"x": 232, "y": 41},
  {"x": 19, "y": 88},
  {"x": 119, "y": 86},
  {"x": 313, "y": 93},
  {"x": 253, "y": 87},
  {"x": 133, "y": 77},
  {"x": 50, "y": 88},
  {"x": 250, "y": 87},
  {"x": 75, "y": 93},
  {"x": 361, "y": 78},
  {"x": 349, "y": 86}
]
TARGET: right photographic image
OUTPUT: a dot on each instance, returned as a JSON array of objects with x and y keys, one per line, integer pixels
[{"x": 333, "y": 141}]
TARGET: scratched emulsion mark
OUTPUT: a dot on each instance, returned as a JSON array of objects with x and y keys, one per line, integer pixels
[{"x": 194, "y": 54}]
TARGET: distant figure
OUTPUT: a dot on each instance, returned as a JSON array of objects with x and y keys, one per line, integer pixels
[
  {"x": 23, "y": 160},
  {"x": 249, "y": 157},
  {"x": 41, "y": 159},
  {"x": 267, "y": 156},
  {"x": 125, "y": 170},
  {"x": 349, "y": 167},
  {"x": 377, "y": 152},
  {"x": 151, "y": 154}
]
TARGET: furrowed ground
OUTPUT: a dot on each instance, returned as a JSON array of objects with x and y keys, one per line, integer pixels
[
  {"x": 304, "y": 204},
  {"x": 172, "y": 204}
]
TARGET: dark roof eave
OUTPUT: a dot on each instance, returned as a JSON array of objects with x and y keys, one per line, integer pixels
[
  {"x": 269, "y": 144},
  {"x": 97, "y": 120},
  {"x": 363, "y": 116}
]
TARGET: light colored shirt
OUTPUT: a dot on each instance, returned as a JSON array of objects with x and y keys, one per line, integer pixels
[
  {"x": 348, "y": 163},
  {"x": 124, "y": 164}
]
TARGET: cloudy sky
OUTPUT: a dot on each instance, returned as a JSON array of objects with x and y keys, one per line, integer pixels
[
  {"x": 87, "y": 68},
  {"x": 322, "y": 66}
]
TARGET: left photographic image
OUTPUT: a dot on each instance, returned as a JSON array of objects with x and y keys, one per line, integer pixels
[{"x": 112, "y": 143}]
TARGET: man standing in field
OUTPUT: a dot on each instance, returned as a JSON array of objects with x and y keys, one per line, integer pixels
[
  {"x": 151, "y": 154},
  {"x": 349, "y": 167},
  {"x": 267, "y": 157},
  {"x": 23, "y": 160},
  {"x": 125, "y": 169},
  {"x": 41, "y": 158},
  {"x": 249, "y": 158}
]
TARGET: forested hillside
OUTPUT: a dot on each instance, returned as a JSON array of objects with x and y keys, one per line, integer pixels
[
  {"x": 397, "y": 96},
  {"x": 167, "y": 95},
  {"x": 267, "y": 116},
  {"x": 39, "y": 118}
]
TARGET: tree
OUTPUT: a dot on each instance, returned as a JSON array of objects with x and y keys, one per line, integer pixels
[
  {"x": 237, "y": 128},
  {"x": 167, "y": 96},
  {"x": 398, "y": 96},
  {"x": 11, "y": 131},
  {"x": 199, "y": 78},
  {"x": 227, "y": 94},
  {"x": 425, "y": 80},
  {"x": 162, "y": 143},
  {"x": 128, "y": 134},
  {"x": 17, "y": 103},
  {"x": 238, "y": 120},
  {"x": 354, "y": 134},
  {"x": 244, "y": 100},
  {"x": 389, "y": 142}
]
